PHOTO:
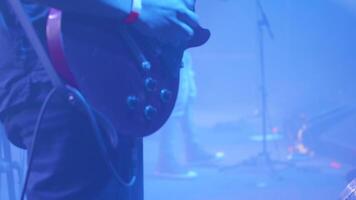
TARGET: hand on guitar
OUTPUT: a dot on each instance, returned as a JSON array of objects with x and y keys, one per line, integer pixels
[{"x": 171, "y": 22}]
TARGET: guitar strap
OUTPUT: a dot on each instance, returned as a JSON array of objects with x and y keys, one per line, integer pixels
[{"x": 56, "y": 48}]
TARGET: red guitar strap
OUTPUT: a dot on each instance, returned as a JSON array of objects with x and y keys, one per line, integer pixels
[{"x": 56, "y": 49}]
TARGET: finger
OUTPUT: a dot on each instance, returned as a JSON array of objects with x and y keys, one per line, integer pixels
[
  {"x": 189, "y": 17},
  {"x": 177, "y": 34},
  {"x": 190, "y": 4}
]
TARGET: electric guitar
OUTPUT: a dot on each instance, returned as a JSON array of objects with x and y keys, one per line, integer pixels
[{"x": 131, "y": 79}]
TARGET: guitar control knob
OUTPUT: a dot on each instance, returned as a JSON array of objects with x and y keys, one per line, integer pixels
[
  {"x": 150, "y": 112},
  {"x": 146, "y": 65},
  {"x": 150, "y": 84},
  {"x": 166, "y": 95},
  {"x": 132, "y": 102}
]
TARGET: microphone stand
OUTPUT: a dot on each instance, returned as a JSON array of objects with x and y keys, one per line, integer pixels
[
  {"x": 262, "y": 159},
  {"x": 263, "y": 23}
]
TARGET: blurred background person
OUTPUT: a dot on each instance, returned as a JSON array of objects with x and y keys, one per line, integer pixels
[{"x": 181, "y": 122}]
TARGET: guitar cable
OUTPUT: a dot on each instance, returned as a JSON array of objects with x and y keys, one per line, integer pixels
[{"x": 73, "y": 95}]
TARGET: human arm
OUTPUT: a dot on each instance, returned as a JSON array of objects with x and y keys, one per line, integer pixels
[
  {"x": 170, "y": 21},
  {"x": 117, "y": 9}
]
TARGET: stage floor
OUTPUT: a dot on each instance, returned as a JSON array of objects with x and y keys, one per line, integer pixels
[{"x": 305, "y": 178}]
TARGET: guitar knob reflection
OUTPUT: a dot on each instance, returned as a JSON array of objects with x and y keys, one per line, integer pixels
[
  {"x": 150, "y": 112},
  {"x": 132, "y": 102},
  {"x": 146, "y": 65},
  {"x": 150, "y": 84},
  {"x": 166, "y": 95}
]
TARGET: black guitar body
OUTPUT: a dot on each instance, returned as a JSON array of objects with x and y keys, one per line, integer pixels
[{"x": 128, "y": 78}]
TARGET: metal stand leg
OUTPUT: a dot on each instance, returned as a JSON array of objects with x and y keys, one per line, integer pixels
[
  {"x": 137, "y": 190},
  {"x": 8, "y": 166},
  {"x": 263, "y": 159}
]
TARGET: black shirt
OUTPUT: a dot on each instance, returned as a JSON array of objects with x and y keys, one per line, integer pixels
[
  {"x": 20, "y": 70},
  {"x": 67, "y": 163}
]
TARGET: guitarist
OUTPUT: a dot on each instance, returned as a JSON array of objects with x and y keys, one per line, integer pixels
[{"x": 67, "y": 164}]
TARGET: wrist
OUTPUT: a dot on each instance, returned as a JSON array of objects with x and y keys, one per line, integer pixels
[{"x": 134, "y": 14}]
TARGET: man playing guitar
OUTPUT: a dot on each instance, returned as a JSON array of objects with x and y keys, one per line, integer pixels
[{"x": 67, "y": 164}]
